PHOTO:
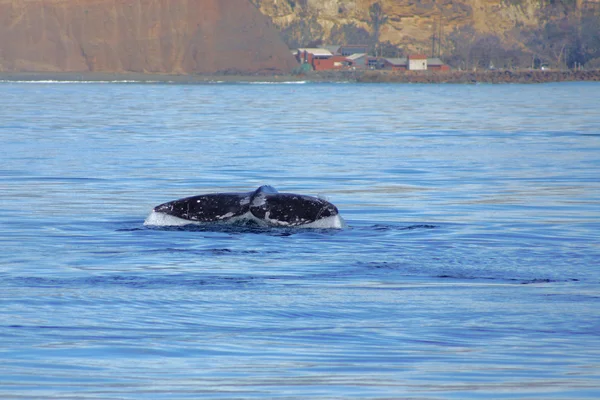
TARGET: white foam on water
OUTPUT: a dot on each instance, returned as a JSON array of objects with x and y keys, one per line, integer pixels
[
  {"x": 277, "y": 83},
  {"x": 70, "y": 82},
  {"x": 161, "y": 219},
  {"x": 333, "y": 222}
]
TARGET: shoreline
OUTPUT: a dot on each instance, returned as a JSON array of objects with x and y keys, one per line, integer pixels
[
  {"x": 462, "y": 77},
  {"x": 135, "y": 77}
]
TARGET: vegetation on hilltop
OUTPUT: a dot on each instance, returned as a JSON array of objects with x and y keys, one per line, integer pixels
[
  {"x": 556, "y": 34},
  {"x": 564, "y": 39}
]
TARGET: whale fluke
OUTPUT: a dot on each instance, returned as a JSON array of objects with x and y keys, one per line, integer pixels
[{"x": 265, "y": 206}]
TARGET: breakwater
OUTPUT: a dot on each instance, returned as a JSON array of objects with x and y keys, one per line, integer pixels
[{"x": 498, "y": 76}]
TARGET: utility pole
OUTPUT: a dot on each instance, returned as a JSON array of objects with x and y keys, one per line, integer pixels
[
  {"x": 441, "y": 34},
  {"x": 437, "y": 29},
  {"x": 433, "y": 39}
]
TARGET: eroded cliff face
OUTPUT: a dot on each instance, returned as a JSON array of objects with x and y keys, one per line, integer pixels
[
  {"x": 409, "y": 23},
  {"x": 154, "y": 36}
]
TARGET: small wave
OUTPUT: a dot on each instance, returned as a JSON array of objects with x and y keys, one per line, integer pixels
[
  {"x": 522, "y": 281},
  {"x": 383, "y": 227},
  {"x": 409, "y": 270},
  {"x": 139, "y": 282},
  {"x": 277, "y": 83},
  {"x": 214, "y": 252},
  {"x": 408, "y": 228}
]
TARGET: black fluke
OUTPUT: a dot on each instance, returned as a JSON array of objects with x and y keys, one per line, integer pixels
[{"x": 265, "y": 205}]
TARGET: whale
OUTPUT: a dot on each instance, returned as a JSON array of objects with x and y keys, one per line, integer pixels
[{"x": 264, "y": 206}]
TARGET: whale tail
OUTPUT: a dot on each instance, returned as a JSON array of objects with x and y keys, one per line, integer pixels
[{"x": 265, "y": 204}]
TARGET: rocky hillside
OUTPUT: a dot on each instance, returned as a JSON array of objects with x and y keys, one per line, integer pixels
[
  {"x": 154, "y": 36},
  {"x": 410, "y": 24}
]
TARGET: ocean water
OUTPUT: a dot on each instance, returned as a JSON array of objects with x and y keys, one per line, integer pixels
[{"x": 469, "y": 268}]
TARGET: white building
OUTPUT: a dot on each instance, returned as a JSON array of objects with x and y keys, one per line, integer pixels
[{"x": 417, "y": 62}]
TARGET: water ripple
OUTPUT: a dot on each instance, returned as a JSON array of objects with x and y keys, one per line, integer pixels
[{"x": 468, "y": 268}]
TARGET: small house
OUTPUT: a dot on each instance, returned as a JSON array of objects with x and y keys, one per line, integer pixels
[
  {"x": 395, "y": 64},
  {"x": 417, "y": 62}
]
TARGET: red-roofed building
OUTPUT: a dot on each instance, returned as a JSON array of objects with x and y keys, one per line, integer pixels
[
  {"x": 417, "y": 62},
  {"x": 321, "y": 59}
]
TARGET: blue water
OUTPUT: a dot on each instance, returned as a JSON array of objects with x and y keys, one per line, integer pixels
[{"x": 469, "y": 268}]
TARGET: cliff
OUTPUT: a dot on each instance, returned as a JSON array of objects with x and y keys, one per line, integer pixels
[
  {"x": 150, "y": 36},
  {"x": 409, "y": 24}
]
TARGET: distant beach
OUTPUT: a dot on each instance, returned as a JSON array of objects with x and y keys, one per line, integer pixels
[{"x": 141, "y": 77}]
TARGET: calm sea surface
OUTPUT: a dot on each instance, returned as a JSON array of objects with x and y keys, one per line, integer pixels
[{"x": 470, "y": 268}]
